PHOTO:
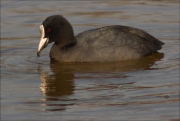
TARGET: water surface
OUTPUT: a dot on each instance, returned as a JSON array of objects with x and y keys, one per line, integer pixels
[{"x": 35, "y": 88}]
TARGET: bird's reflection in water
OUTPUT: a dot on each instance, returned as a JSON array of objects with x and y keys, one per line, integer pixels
[{"x": 58, "y": 86}]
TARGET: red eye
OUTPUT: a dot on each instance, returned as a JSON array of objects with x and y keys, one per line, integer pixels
[{"x": 48, "y": 30}]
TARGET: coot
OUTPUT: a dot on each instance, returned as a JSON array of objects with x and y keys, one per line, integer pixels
[{"x": 109, "y": 43}]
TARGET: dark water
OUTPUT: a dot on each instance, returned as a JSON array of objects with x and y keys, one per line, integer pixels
[{"x": 34, "y": 88}]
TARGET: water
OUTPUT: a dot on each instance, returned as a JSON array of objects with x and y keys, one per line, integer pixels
[{"x": 34, "y": 88}]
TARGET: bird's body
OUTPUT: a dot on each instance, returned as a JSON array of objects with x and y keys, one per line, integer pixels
[{"x": 110, "y": 43}]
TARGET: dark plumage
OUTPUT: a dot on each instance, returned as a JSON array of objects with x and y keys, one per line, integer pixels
[{"x": 110, "y": 43}]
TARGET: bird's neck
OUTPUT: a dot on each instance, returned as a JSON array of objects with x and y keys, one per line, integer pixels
[
  {"x": 66, "y": 43},
  {"x": 57, "y": 50}
]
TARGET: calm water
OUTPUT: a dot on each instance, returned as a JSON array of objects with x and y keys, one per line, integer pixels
[{"x": 34, "y": 88}]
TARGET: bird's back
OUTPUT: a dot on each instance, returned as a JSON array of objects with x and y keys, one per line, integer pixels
[{"x": 113, "y": 43}]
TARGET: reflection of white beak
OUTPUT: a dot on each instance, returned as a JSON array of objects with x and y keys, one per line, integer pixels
[
  {"x": 44, "y": 78},
  {"x": 43, "y": 41}
]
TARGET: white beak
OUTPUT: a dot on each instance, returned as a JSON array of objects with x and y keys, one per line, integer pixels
[{"x": 43, "y": 41}]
